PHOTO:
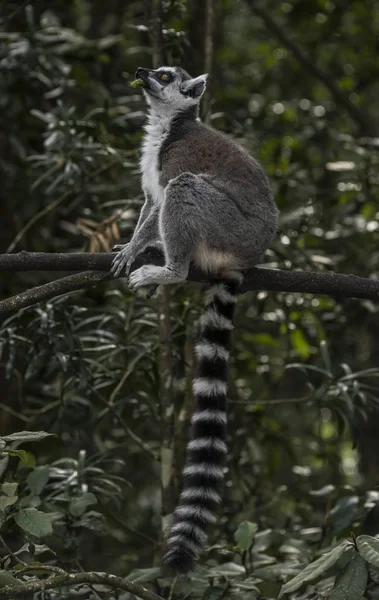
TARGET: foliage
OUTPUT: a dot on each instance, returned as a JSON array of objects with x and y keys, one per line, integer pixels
[{"x": 80, "y": 421}]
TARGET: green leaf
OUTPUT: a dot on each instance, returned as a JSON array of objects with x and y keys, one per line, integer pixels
[
  {"x": 27, "y": 459},
  {"x": 300, "y": 343},
  {"x": 7, "y": 579},
  {"x": 245, "y": 534},
  {"x": 37, "y": 480},
  {"x": 9, "y": 489},
  {"x": 6, "y": 501},
  {"x": 229, "y": 569},
  {"x": 29, "y": 501},
  {"x": 343, "y": 513},
  {"x": 27, "y": 436},
  {"x": 79, "y": 505},
  {"x": 145, "y": 575},
  {"x": 369, "y": 549},
  {"x": 315, "y": 569},
  {"x": 325, "y": 355},
  {"x": 351, "y": 582},
  {"x": 324, "y": 491},
  {"x": 35, "y": 522}
]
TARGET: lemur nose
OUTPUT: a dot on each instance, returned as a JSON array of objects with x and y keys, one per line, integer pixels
[{"x": 140, "y": 71}]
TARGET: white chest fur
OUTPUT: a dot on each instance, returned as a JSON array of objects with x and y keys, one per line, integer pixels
[{"x": 157, "y": 129}]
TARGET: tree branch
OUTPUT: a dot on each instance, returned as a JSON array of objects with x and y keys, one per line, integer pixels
[
  {"x": 9, "y": 592},
  {"x": 97, "y": 269},
  {"x": 342, "y": 99},
  {"x": 79, "y": 281}
]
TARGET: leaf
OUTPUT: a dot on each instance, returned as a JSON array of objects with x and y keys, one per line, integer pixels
[
  {"x": 263, "y": 540},
  {"x": 37, "y": 480},
  {"x": 324, "y": 491},
  {"x": 6, "y": 501},
  {"x": 29, "y": 501},
  {"x": 79, "y": 505},
  {"x": 27, "y": 459},
  {"x": 351, "y": 583},
  {"x": 229, "y": 569},
  {"x": 369, "y": 549},
  {"x": 300, "y": 343},
  {"x": 245, "y": 534},
  {"x": 343, "y": 513},
  {"x": 9, "y": 489},
  {"x": 27, "y": 436},
  {"x": 315, "y": 569},
  {"x": 144, "y": 575},
  {"x": 34, "y": 549},
  {"x": 7, "y": 579},
  {"x": 34, "y": 521},
  {"x": 325, "y": 355}
]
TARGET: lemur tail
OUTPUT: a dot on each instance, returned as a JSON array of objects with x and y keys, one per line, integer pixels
[{"x": 203, "y": 472}]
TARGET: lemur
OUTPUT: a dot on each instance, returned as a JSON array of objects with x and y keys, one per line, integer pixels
[{"x": 207, "y": 201}]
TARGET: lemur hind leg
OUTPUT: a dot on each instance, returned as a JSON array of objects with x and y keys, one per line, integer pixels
[{"x": 177, "y": 229}]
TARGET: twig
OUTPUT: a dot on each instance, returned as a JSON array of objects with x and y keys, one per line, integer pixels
[
  {"x": 12, "y": 554},
  {"x": 14, "y": 413},
  {"x": 70, "y": 580},
  {"x": 45, "y": 211},
  {"x": 111, "y": 515},
  {"x": 274, "y": 402},
  {"x": 50, "y": 207},
  {"x": 342, "y": 99},
  {"x": 172, "y": 588},
  {"x": 124, "y": 426}
]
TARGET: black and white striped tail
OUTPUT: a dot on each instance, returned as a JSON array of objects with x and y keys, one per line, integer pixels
[{"x": 203, "y": 473}]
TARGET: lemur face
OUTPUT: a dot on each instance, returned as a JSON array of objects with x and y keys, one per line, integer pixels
[{"x": 172, "y": 87}]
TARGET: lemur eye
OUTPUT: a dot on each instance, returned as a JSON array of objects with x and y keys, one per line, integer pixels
[{"x": 164, "y": 76}]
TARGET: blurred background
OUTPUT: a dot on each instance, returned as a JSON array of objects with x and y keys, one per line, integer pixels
[{"x": 295, "y": 82}]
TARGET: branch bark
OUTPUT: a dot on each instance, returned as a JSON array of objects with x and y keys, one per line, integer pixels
[
  {"x": 364, "y": 123},
  {"x": 9, "y": 592},
  {"x": 97, "y": 270}
]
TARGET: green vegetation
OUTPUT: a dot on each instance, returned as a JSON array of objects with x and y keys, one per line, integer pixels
[{"x": 88, "y": 419}]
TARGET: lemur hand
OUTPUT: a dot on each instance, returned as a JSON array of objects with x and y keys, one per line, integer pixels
[{"x": 126, "y": 255}]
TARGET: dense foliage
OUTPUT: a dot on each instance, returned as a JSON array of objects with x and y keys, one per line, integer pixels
[{"x": 81, "y": 465}]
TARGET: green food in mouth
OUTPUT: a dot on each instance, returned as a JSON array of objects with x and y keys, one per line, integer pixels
[{"x": 137, "y": 83}]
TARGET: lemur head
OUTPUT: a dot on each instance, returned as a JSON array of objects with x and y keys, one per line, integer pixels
[{"x": 171, "y": 89}]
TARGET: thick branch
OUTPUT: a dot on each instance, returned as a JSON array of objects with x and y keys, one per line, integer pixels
[
  {"x": 342, "y": 99},
  {"x": 9, "y": 592},
  {"x": 97, "y": 269}
]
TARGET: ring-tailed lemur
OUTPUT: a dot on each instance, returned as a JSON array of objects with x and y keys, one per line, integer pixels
[{"x": 207, "y": 201}]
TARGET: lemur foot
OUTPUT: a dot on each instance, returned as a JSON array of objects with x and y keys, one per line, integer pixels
[
  {"x": 150, "y": 275},
  {"x": 124, "y": 259},
  {"x": 144, "y": 276}
]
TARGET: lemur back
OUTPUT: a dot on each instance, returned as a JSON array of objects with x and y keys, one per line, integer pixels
[{"x": 206, "y": 201}]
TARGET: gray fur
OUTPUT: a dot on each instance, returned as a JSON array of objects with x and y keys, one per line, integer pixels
[{"x": 206, "y": 198}]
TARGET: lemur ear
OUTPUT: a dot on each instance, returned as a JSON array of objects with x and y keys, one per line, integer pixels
[{"x": 195, "y": 88}]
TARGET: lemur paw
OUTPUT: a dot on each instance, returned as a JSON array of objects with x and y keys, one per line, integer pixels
[
  {"x": 144, "y": 276},
  {"x": 118, "y": 247},
  {"x": 123, "y": 260}
]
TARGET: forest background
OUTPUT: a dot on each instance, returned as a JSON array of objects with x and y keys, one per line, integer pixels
[{"x": 108, "y": 373}]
